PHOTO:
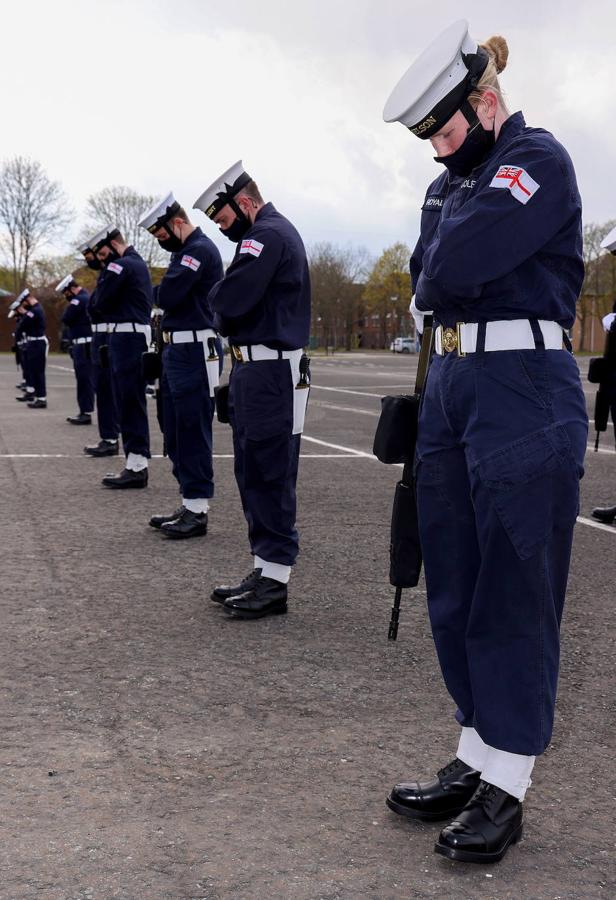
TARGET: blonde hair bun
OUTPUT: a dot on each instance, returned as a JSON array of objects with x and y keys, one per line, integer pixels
[{"x": 498, "y": 50}]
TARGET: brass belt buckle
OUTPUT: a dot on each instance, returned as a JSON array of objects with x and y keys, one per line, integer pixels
[
  {"x": 459, "y": 338},
  {"x": 166, "y": 337},
  {"x": 449, "y": 340},
  {"x": 237, "y": 353}
]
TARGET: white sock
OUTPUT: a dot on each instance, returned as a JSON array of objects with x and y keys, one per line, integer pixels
[
  {"x": 273, "y": 570},
  {"x": 508, "y": 771},
  {"x": 196, "y": 505},
  {"x": 471, "y": 749},
  {"x": 136, "y": 462}
]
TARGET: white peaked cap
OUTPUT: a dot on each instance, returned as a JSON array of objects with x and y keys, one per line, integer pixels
[
  {"x": 438, "y": 82},
  {"x": 609, "y": 241},
  {"x": 66, "y": 282},
  {"x": 222, "y": 190},
  {"x": 13, "y": 309},
  {"x": 101, "y": 237},
  {"x": 159, "y": 213},
  {"x": 24, "y": 294}
]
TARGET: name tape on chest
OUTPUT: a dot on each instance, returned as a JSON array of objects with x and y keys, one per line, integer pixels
[
  {"x": 190, "y": 262},
  {"x": 252, "y": 247},
  {"x": 517, "y": 181},
  {"x": 115, "y": 268}
]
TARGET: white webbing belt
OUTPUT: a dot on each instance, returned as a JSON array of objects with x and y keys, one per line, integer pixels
[
  {"x": 101, "y": 327},
  {"x": 516, "y": 334},
  {"x": 202, "y": 336},
  {"x": 130, "y": 326},
  {"x": 83, "y": 340},
  {"x": 257, "y": 352}
]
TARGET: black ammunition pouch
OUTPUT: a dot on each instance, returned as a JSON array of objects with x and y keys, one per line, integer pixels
[
  {"x": 103, "y": 356},
  {"x": 598, "y": 369},
  {"x": 221, "y": 399},
  {"x": 396, "y": 432}
]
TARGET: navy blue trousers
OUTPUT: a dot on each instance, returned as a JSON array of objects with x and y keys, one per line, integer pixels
[
  {"x": 266, "y": 456},
  {"x": 36, "y": 361},
  {"x": 82, "y": 364},
  {"x": 107, "y": 414},
  {"x": 125, "y": 352},
  {"x": 187, "y": 416},
  {"x": 502, "y": 438}
]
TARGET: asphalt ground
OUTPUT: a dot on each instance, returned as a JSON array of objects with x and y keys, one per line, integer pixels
[{"x": 152, "y": 748}]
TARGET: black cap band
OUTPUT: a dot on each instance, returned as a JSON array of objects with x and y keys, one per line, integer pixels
[{"x": 440, "y": 114}]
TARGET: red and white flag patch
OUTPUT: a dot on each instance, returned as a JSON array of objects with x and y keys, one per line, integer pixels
[
  {"x": 517, "y": 181},
  {"x": 114, "y": 267},
  {"x": 75, "y": 302},
  {"x": 191, "y": 262},
  {"x": 253, "y": 247}
]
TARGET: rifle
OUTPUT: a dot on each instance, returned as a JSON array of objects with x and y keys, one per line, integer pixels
[
  {"x": 602, "y": 371},
  {"x": 152, "y": 365}
]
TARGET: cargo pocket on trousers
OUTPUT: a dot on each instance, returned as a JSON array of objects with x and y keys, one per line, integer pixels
[{"x": 531, "y": 482}]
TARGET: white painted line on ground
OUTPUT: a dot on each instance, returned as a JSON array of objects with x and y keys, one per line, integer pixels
[
  {"x": 352, "y": 455},
  {"x": 352, "y": 409},
  {"x": 351, "y": 450},
  {"x": 320, "y": 387},
  {"x": 600, "y": 450},
  {"x": 60, "y": 368},
  {"x": 598, "y": 525}
]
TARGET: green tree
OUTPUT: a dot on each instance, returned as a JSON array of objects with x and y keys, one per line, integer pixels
[{"x": 388, "y": 292}]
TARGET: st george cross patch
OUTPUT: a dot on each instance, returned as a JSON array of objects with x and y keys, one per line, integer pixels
[
  {"x": 191, "y": 262},
  {"x": 516, "y": 180},
  {"x": 252, "y": 247},
  {"x": 114, "y": 267}
]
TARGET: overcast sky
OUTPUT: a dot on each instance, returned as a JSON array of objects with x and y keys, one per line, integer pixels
[{"x": 161, "y": 95}]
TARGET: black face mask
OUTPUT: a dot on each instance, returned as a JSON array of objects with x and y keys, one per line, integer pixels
[
  {"x": 95, "y": 264},
  {"x": 172, "y": 243},
  {"x": 472, "y": 152},
  {"x": 112, "y": 256},
  {"x": 236, "y": 231}
]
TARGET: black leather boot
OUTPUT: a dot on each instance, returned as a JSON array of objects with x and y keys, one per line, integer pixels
[
  {"x": 157, "y": 521},
  {"x": 37, "y": 404},
  {"x": 443, "y": 797},
  {"x": 26, "y": 397},
  {"x": 188, "y": 524},
  {"x": 81, "y": 419},
  {"x": 266, "y": 597},
  {"x": 605, "y": 514},
  {"x": 224, "y": 591},
  {"x": 103, "y": 448},
  {"x": 127, "y": 479},
  {"x": 485, "y": 829}
]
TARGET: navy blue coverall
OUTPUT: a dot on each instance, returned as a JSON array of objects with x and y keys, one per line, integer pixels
[
  {"x": 123, "y": 298},
  {"x": 502, "y": 434},
  {"x": 264, "y": 299},
  {"x": 106, "y": 409},
  {"x": 79, "y": 332},
  {"x": 188, "y": 408},
  {"x": 35, "y": 349}
]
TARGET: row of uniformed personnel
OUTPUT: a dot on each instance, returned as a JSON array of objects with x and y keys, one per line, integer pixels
[{"x": 262, "y": 306}]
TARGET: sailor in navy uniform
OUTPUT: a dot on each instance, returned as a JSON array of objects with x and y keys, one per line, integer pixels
[
  {"x": 263, "y": 307},
  {"x": 35, "y": 346},
  {"x": 79, "y": 332},
  {"x": 123, "y": 299},
  {"x": 607, "y": 514},
  {"x": 191, "y": 362},
  {"x": 19, "y": 342},
  {"x": 106, "y": 410},
  {"x": 502, "y": 431}
]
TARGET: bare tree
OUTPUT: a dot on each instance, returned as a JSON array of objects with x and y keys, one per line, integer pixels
[
  {"x": 123, "y": 207},
  {"x": 599, "y": 279},
  {"x": 336, "y": 275},
  {"x": 33, "y": 211}
]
